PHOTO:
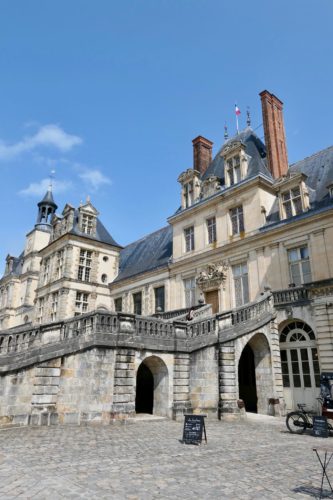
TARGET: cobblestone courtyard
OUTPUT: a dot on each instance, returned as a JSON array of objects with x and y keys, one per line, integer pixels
[{"x": 145, "y": 460}]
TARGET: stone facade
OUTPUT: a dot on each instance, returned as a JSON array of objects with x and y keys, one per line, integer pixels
[{"x": 230, "y": 305}]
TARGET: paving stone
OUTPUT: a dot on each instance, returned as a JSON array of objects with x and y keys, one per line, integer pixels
[{"x": 243, "y": 460}]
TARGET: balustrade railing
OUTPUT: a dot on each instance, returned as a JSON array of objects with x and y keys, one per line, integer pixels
[
  {"x": 289, "y": 295},
  {"x": 245, "y": 313}
]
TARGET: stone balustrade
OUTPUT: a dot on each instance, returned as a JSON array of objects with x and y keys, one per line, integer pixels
[
  {"x": 290, "y": 295},
  {"x": 244, "y": 314}
]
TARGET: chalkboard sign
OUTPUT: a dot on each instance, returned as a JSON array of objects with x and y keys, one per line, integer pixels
[
  {"x": 320, "y": 427},
  {"x": 194, "y": 425}
]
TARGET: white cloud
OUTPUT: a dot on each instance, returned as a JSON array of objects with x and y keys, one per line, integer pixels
[
  {"x": 47, "y": 136},
  {"x": 94, "y": 178},
  {"x": 40, "y": 188}
]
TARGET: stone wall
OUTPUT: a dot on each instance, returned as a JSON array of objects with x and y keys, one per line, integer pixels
[
  {"x": 204, "y": 391},
  {"x": 86, "y": 386}
]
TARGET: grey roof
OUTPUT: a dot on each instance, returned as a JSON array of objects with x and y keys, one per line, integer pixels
[
  {"x": 48, "y": 199},
  {"x": 17, "y": 266},
  {"x": 101, "y": 235},
  {"x": 319, "y": 171},
  {"x": 254, "y": 147},
  {"x": 151, "y": 252}
]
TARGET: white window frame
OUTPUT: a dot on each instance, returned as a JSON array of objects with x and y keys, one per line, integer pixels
[
  {"x": 85, "y": 265},
  {"x": 240, "y": 276},
  {"x": 236, "y": 215},
  {"x": 233, "y": 169},
  {"x": 292, "y": 202},
  {"x": 190, "y": 291},
  {"x": 299, "y": 262},
  {"x": 87, "y": 223},
  {"x": 81, "y": 303},
  {"x": 189, "y": 239},
  {"x": 211, "y": 230},
  {"x": 54, "y": 305}
]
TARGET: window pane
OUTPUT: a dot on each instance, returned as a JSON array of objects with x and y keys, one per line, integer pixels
[
  {"x": 295, "y": 274},
  {"x": 297, "y": 381}
]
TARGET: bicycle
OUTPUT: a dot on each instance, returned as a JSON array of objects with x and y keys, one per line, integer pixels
[{"x": 300, "y": 420}]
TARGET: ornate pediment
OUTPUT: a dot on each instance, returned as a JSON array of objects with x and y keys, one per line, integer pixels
[{"x": 212, "y": 276}]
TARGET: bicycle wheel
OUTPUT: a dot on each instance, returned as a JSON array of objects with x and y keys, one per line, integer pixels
[{"x": 296, "y": 422}]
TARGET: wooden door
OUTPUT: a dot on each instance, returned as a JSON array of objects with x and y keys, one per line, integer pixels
[{"x": 212, "y": 298}]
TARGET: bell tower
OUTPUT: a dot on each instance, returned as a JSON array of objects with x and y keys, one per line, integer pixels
[{"x": 46, "y": 208}]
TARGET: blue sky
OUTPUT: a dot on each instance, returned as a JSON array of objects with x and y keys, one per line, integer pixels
[{"x": 110, "y": 94}]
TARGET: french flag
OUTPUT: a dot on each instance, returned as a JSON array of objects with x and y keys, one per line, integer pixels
[{"x": 237, "y": 110}]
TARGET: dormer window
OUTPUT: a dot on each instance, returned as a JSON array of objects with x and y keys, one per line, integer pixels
[
  {"x": 188, "y": 194},
  {"x": 87, "y": 223},
  {"x": 233, "y": 170},
  {"x": 292, "y": 202}
]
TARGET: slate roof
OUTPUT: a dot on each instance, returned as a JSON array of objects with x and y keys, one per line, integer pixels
[
  {"x": 319, "y": 171},
  {"x": 149, "y": 253},
  {"x": 17, "y": 266},
  {"x": 101, "y": 235},
  {"x": 254, "y": 147},
  {"x": 48, "y": 199}
]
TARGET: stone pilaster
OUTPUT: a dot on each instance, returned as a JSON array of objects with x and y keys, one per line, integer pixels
[
  {"x": 276, "y": 368},
  {"x": 227, "y": 380},
  {"x": 181, "y": 386},
  {"x": 45, "y": 391},
  {"x": 123, "y": 405}
]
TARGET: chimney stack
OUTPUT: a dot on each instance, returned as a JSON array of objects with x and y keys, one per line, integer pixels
[
  {"x": 202, "y": 154},
  {"x": 275, "y": 137}
]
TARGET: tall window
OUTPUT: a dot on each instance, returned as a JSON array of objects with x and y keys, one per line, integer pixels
[
  {"x": 211, "y": 229},
  {"x": 118, "y": 304},
  {"x": 189, "y": 238},
  {"x": 159, "y": 299},
  {"x": 292, "y": 202},
  {"x": 87, "y": 223},
  {"x": 54, "y": 305},
  {"x": 45, "y": 271},
  {"x": 81, "y": 303},
  {"x": 137, "y": 301},
  {"x": 84, "y": 265},
  {"x": 59, "y": 264},
  {"x": 237, "y": 220},
  {"x": 40, "y": 310},
  {"x": 234, "y": 170},
  {"x": 299, "y": 265},
  {"x": 188, "y": 194},
  {"x": 241, "y": 283},
  {"x": 190, "y": 288}
]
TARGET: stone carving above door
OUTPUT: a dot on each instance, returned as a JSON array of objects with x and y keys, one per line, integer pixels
[{"x": 212, "y": 276}]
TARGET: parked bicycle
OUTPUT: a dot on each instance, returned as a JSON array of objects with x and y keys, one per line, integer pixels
[{"x": 300, "y": 420}]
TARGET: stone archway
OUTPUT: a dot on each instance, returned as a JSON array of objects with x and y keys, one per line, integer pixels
[
  {"x": 256, "y": 358},
  {"x": 152, "y": 387}
]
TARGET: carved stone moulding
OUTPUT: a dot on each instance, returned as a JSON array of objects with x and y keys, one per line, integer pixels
[{"x": 212, "y": 276}]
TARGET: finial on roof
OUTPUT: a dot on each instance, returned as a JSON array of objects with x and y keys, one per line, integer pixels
[
  {"x": 52, "y": 174},
  {"x": 88, "y": 199},
  {"x": 248, "y": 117},
  {"x": 226, "y": 136},
  {"x": 81, "y": 203}
]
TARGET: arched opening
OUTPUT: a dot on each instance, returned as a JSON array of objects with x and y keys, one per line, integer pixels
[
  {"x": 247, "y": 380},
  {"x": 144, "y": 400},
  {"x": 255, "y": 376},
  {"x": 152, "y": 387}
]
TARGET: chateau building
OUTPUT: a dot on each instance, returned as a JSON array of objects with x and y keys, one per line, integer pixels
[{"x": 230, "y": 303}]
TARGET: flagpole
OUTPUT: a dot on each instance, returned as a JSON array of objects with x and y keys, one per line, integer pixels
[{"x": 237, "y": 123}]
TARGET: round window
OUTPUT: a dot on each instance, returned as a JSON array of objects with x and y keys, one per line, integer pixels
[
  {"x": 104, "y": 278},
  {"x": 105, "y": 258}
]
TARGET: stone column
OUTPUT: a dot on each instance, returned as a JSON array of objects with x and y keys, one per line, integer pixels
[
  {"x": 123, "y": 405},
  {"x": 323, "y": 312},
  {"x": 181, "y": 386},
  {"x": 227, "y": 380}
]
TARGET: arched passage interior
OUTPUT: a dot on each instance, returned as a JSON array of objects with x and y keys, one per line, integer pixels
[
  {"x": 255, "y": 376},
  {"x": 152, "y": 387}
]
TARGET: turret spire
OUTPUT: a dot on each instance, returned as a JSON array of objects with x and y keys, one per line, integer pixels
[{"x": 46, "y": 207}]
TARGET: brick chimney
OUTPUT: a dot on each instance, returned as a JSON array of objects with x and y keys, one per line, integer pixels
[
  {"x": 275, "y": 137},
  {"x": 202, "y": 154}
]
